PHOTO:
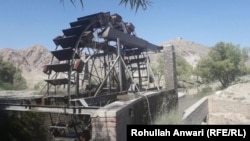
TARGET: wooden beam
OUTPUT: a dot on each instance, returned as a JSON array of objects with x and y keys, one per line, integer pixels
[{"x": 49, "y": 109}]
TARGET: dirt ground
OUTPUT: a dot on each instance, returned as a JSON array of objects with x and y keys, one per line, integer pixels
[
  {"x": 227, "y": 106},
  {"x": 231, "y": 105}
]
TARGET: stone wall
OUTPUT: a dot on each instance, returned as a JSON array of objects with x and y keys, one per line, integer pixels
[
  {"x": 170, "y": 67},
  {"x": 110, "y": 122}
]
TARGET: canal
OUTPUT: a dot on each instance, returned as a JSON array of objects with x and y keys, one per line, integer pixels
[{"x": 174, "y": 116}]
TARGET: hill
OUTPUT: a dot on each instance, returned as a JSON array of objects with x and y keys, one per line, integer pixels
[
  {"x": 190, "y": 50},
  {"x": 30, "y": 60}
]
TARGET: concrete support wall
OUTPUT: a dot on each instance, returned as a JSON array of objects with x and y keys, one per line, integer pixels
[
  {"x": 110, "y": 122},
  {"x": 197, "y": 113},
  {"x": 170, "y": 67}
]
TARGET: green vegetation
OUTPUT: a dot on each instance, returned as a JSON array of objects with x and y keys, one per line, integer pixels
[
  {"x": 11, "y": 77},
  {"x": 22, "y": 126},
  {"x": 183, "y": 68},
  {"x": 225, "y": 62},
  {"x": 136, "y": 3},
  {"x": 159, "y": 68}
]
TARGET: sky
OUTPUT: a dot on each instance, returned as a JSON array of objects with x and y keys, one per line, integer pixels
[{"x": 25, "y": 23}]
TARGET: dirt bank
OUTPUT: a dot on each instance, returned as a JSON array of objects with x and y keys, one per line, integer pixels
[{"x": 231, "y": 105}]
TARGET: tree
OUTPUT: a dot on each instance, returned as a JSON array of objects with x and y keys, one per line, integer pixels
[
  {"x": 19, "y": 82},
  {"x": 22, "y": 126},
  {"x": 134, "y": 4},
  {"x": 202, "y": 70},
  {"x": 10, "y": 77},
  {"x": 158, "y": 68},
  {"x": 225, "y": 62},
  {"x": 7, "y": 71},
  {"x": 183, "y": 68}
]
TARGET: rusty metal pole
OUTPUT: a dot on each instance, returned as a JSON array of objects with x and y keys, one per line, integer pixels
[
  {"x": 120, "y": 64},
  {"x": 69, "y": 83}
]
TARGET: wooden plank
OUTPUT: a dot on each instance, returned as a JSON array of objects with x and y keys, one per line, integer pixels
[
  {"x": 133, "y": 61},
  {"x": 58, "y": 67},
  {"x": 61, "y": 81},
  {"x": 66, "y": 42},
  {"x": 133, "y": 52},
  {"x": 49, "y": 109},
  {"x": 76, "y": 30},
  {"x": 65, "y": 54}
]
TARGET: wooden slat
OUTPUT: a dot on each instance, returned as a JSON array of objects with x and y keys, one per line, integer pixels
[
  {"x": 58, "y": 67},
  {"x": 65, "y": 54},
  {"x": 66, "y": 42},
  {"x": 83, "y": 23},
  {"x": 77, "y": 30},
  {"x": 133, "y": 52},
  {"x": 136, "y": 68},
  {"x": 132, "y": 61},
  {"x": 61, "y": 81},
  {"x": 91, "y": 16}
]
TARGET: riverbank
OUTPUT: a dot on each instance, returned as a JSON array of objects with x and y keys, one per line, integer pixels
[
  {"x": 227, "y": 106},
  {"x": 231, "y": 105}
]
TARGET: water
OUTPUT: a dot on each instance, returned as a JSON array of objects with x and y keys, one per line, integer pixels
[{"x": 175, "y": 115}]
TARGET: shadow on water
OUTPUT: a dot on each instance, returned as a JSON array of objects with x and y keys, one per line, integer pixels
[{"x": 174, "y": 116}]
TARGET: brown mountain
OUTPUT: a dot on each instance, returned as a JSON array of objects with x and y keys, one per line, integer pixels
[
  {"x": 190, "y": 50},
  {"x": 30, "y": 60}
]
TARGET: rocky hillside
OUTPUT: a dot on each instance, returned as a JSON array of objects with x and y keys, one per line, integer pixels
[
  {"x": 30, "y": 60},
  {"x": 190, "y": 50}
]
